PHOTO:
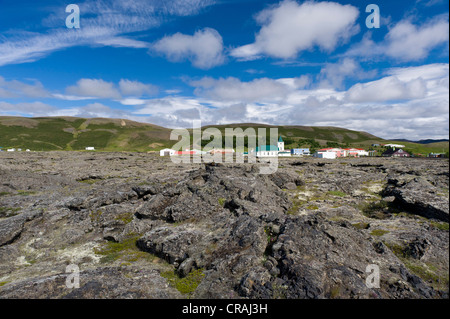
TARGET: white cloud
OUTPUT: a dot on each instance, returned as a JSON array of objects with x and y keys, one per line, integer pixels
[
  {"x": 132, "y": 101},
  {"x": 386, "y": 89},
  {"x": 119, "y": 42},
  {"x": 334, "y": 74},
  {"x": 103, "y": 23},
  {"x": 258, "y": 90},
  {"x": 290, "y": 28},
  {"x": 95, "y": 88},
  {"x": 409, "y": 102},
  {"x": 98, "y": 88},
  {"x": 405, "y": 41},
  {"x": 136, "y": 88},
  {"x": 14, "y": 88},
  {"x": 168, "y": 105},
  {"x": 408, "y": 42},
  {"x": 26, "y": 109},
  {"x": 204, "y": 49}
]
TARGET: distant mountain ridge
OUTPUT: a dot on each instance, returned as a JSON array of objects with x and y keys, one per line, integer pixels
[{"x": 74, "y": 133}]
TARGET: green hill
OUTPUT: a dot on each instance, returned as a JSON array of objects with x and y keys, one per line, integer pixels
[{"x": 72, "y": 133}]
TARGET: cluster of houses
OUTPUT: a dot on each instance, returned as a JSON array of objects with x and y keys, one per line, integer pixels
[
  {"x": 14, "y": 150},
  {"x": 171, "y": 152},
  {"x": 278, "y": 151},
  {"x": 27, "y": 150},
  {"x": 333, "y": 152},
  {"x": 391, "y": 150}
]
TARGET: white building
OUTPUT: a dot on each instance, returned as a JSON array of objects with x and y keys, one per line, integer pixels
[
  {"x": 267, "y": 151},
  {"x": 167, "y": 152},
  {"x": 90, "y": 148},
  {"x": 325, "y": 154},
  {"x": 356, "y": 152},
  {"x": 284, "y": 153}
]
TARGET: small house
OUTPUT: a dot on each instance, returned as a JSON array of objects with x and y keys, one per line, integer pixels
[
  {"x": 339, "y": 152},
  {"x": 436, "y": 155},
  {"x": 356, "y": 152},
  {"x": 167, "y": 152},
  {"x": 221, "y": 151},
  {"x": 300, "y": 151},
  {"x": 325, "y": 154},
  {"x": 284, "y": 153},
  {"x": 392, "y": 152}
]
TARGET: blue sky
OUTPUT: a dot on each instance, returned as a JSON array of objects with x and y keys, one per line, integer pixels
[{"x": 228, "y": 61}]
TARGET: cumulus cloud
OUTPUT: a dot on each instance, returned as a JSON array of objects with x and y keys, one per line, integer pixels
[
  {"x": 26, "y": 109},
  {"x": 407, "y": 102},
  {"x": 94, "y": 88},
  {"x": 411, "y": 43},
  {"x": 406, "y": 41},
  {"x": 290, "y": 28},
  {"x": 136, "y": 88},
  {"x": 98, "y": 88},
  {"x": 386, "y": 89},
  {"x": 334, "y": 74},
  {"x": 15, "y": 88},
  {"x": 257, "y": 90},
  {"x": 204, "y": 49}
]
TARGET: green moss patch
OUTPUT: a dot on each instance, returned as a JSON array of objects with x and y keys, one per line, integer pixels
[
  {"x": 125, "y": 251},
  {"x": 437, "y": 277},
  {"x": 186, "y": 285},
  {"x": 379, "y": 232},
  {"x": 337, "y": 193},
  {"x": 361, "y": 225}
]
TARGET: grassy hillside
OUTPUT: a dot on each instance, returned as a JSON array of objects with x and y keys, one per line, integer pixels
[{"x": 71, "y": 133}]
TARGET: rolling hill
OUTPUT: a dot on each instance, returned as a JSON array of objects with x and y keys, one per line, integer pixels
[
  {"x": 71, "y": 133},
  {"x": 74, "y": 134}
]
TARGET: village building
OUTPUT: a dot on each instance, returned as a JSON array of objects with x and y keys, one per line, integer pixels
[
  {"x": 437, "y": 155},
  {"x": 166, "y": 152},
  {"x": 356, "y": 152},
  {"x": 267, "y": 151},
  {"x": 221, "y": 151},
  {"x": 339, "y": 152},
  {"x": 300, "y": 151},
  {"x": 284, "y": 153},
  {"x": 325, "y": 154},
  {"x": 272, "y": 150},
  {"x": 392, "y": 152}
]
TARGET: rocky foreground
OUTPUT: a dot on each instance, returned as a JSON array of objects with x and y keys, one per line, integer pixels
[{"x": 140, "y": 226}]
